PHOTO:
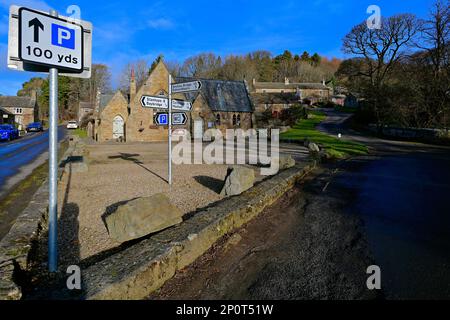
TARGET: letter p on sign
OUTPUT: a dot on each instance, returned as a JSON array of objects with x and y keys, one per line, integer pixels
[{"x": 63, "y": 36}]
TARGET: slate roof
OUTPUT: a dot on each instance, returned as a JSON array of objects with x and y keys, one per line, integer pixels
[
  {"x": 221, "y": 95},
  {"x": 282, "y": 85},
  {"x": 17, "y": 102},
  {"x": 104, "y": 100}
]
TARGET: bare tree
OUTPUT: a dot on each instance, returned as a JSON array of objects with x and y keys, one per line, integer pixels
[
  {"x": 100, "y": 81},
  {"x": 435, "y": 36},
  {"x": 433, "y": 64},
  {"x": 174, "y": 68},
  {"x": 381, "y": 50},
  {"x": 238, "y": 68},
  {"x": 205, "y": 65},
  {"x": 141, "y": 72}
]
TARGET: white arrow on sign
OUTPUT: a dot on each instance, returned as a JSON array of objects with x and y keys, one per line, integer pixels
[
  {"x": 186, "y": 86},
  {"x": 163, "y": 103}
]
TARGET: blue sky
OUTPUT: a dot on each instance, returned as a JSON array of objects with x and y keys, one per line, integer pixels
[{"x": 139, "y": 29}]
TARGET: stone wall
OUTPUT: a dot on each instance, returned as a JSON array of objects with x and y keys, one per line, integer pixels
[
  {"x": 17, "y": 245},
  {"x": 413, "y": 133}
]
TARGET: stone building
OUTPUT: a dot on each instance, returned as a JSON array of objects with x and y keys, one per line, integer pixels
[
  {"x": 275, "y": 102},
  {"x": 219, "y": 104},
  {"x": 306, "y": 92},
  {"x": 22, "y": 110},
  {"x": 84, "y": 108},
  {"x": 110, "y": 118}
]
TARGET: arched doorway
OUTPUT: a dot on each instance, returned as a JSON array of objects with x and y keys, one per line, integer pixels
[{"x": 118, "y": 127}]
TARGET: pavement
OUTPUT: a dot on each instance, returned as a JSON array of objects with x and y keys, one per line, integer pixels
[{"x": 20, "y": 157}]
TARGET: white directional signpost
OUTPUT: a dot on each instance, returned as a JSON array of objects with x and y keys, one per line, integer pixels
[
  {"x": 186, "y": 86},
  {"x": 163, "y": 103},
  {"x": 169, "y": 118},
  {"x": 42, "y": 42}
]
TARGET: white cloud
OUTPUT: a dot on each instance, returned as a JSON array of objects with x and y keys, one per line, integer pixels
[{"x": 161, "y": 23}]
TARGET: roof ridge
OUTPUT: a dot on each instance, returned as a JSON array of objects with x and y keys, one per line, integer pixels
[{"x": 206, "y": 79}]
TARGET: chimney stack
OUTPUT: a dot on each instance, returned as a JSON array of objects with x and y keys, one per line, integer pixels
[
  {"x": 34, "y": 95},
  {"x": 132, "y": 86}
]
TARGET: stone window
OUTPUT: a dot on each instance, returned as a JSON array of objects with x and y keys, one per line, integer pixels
[
  {"x": 234, "y": 119},
  {"x": 238, "y": 122},
  {"x": 162, "y": 93},
  {"x": 18, "y": 110},
  {"x": 218, "y": 119}
]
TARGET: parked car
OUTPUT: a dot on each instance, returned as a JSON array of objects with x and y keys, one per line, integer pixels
[
  {"x": 35, "y": 126},
  {"x": 72, "y": 124},
  {"x": 8, "y": 132}
]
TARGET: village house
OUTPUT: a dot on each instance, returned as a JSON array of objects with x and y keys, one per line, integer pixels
[
  {"x": 274, "y": 102},
  {"x": 219, "y": 104},
  {"x": 309, "y": 93},
  {"x": 84, "y": 109},
  {"x": 18, "y": 110}
]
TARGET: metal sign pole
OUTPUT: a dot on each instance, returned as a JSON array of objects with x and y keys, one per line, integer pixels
[
  {"x": 53, "y": 168},
  {"x": 170, "y": 130}
]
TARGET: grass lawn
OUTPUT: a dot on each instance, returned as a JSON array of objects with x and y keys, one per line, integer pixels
[
  {"x": 79, "y": 132},
  {"x": 336, "y": 148}
]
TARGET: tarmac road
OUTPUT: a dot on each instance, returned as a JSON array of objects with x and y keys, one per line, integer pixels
[
  {"x": 20, "y": 157},
  {"x": 390, "y": 208},
  {"x": 401, "y": 192}
]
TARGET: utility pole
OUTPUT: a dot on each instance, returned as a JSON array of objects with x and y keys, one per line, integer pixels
[
  {"x": 53, "y": 169},
  {"x": 170, "y": 131}
]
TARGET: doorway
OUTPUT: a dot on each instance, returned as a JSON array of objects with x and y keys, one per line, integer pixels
[{"x": 118, "y": 128}]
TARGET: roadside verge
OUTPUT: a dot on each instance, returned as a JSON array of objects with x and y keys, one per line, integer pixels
[{"x": 16, "y": 245}]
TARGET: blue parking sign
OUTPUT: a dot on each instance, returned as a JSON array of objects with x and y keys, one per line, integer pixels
[
  {"x": 63, "y": 36},
  {"x": 163, "y": 119}
]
